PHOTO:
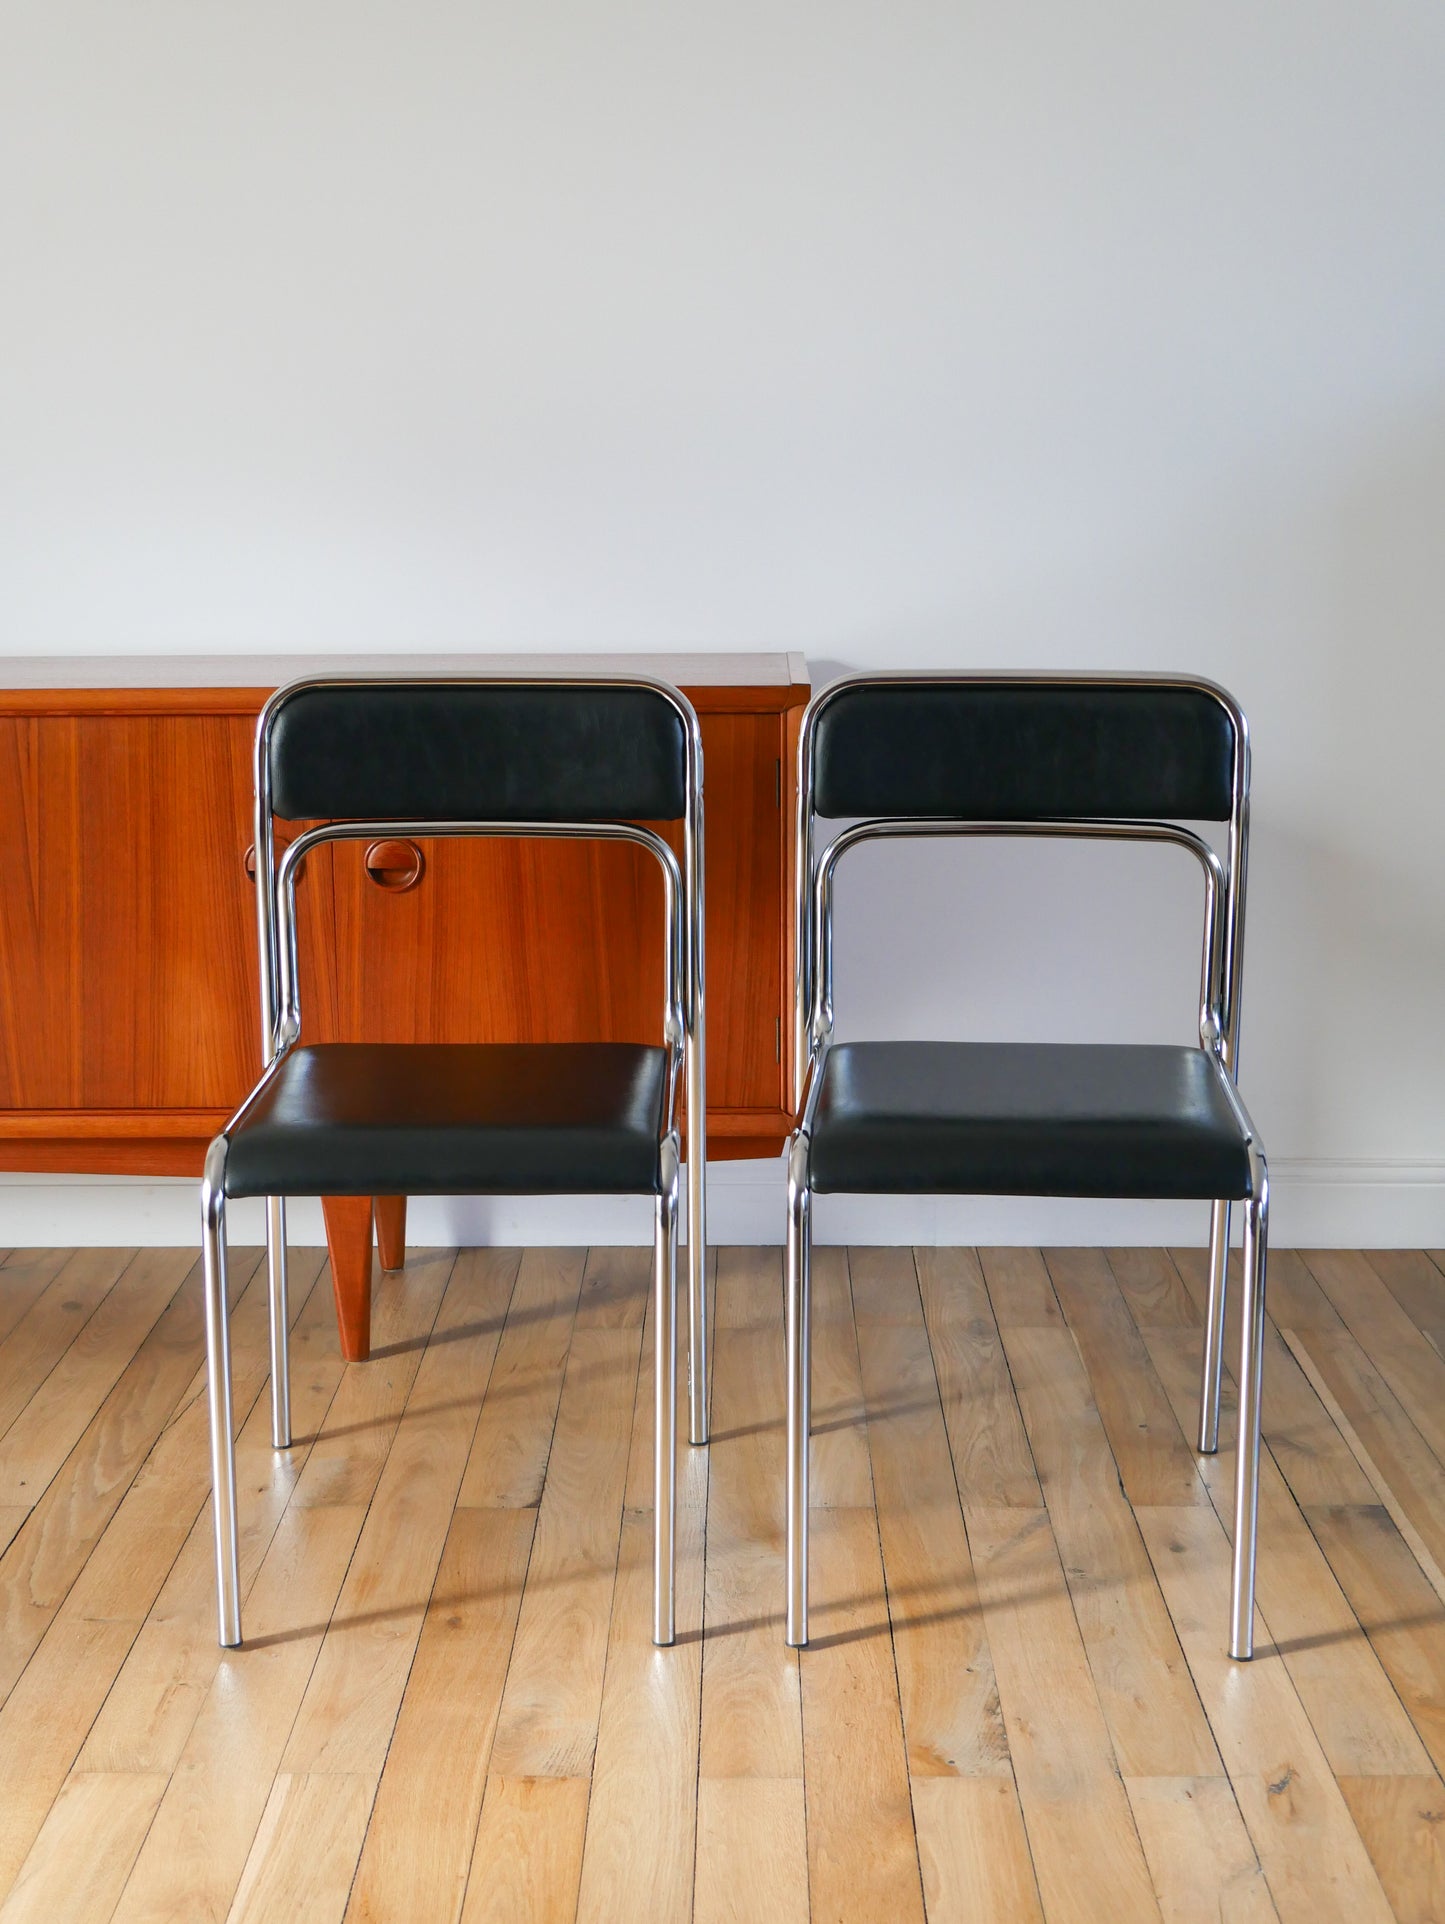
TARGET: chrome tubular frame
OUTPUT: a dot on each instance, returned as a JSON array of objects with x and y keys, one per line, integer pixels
[
  {"x": 1251, "y": 1383},
  {"x": 664, "y": 1431},
  {"x": 1251, "y": 1378},
  {"x": 683, "y": 1034},
  {"x": 268, "y": 945},
  {"x": 698, "y": 1377},
  {"x": 674, "y": 1014},
  {"x": 1211, "y": 1016},
  {"x": 1231, "y": 965},
  {"x": 264, "y": 848},
  {"x": 269, "y": 965},
  {"x": 218, "y": 1388},
  {"x": 1212, "y": 1363},
  {"x": 798, "y": 1335},
  {"x": 1221, "y": 974}
]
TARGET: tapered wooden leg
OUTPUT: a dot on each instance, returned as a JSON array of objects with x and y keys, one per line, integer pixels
[
  {"x": 390, "y": 1214},
  {"x": 348, "y": 1238}
]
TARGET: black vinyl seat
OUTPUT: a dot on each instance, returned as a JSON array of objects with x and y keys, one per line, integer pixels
[
  {"x": 1026, "y": 1119},
  {"x": 601, "y": 759},
  {"x": 1109, "y": 757},
  {"x": 452, "y": 1119}
]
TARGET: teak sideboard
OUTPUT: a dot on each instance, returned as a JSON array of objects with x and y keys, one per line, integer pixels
[{"x": 129, "y": 1023}]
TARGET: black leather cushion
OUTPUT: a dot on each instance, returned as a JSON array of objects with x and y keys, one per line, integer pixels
[
  {"x": 1026, "y": 1119},
  {"x": 364, "y": 1118},
  {"x": 1018, "y": 751},
  {"x": 478, "y": 751}
]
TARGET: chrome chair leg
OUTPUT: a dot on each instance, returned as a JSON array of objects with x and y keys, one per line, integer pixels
[
  {"x": 664, "y": 1466},
  {"x": 280, "y": 1323},
  {"x": 1251, "y": 1369},
  {"x": 218, "y": 1382},
  {"x": 697, "y": 1376},
  {"x": 1213, "y": 1363},
  {"x": 800, "y": 1386}
]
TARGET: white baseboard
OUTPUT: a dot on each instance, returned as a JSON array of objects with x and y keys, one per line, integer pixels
[{"x": 1324, "y": 1204}]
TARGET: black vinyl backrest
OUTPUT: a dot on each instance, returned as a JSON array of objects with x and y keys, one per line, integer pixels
[
  {"x": 479, "y": 751},
  {"x": 1025, "y": 751}
]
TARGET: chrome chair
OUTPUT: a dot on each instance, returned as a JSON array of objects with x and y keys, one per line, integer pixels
[
  {"x": 1115, "y": 758},
  {"x": 490, "y": 757}
]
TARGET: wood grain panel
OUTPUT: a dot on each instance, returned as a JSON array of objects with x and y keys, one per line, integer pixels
[
  {"x": 748, "y": 986},
  {"x": 136, "y": 986},
  {"x": 127, "y": 938},
  {"x": 501, "y": 942}
]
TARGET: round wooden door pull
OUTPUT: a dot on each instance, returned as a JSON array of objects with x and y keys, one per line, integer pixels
[
  {"x": 397, "y": 866},
  {"x": 249, "y": 858}
]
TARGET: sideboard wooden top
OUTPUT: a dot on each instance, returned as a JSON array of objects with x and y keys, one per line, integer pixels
[{"x": 77, "y": 672}]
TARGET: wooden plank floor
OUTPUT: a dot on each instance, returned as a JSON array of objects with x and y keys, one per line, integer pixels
[{"x": 1017, "y": 1703}]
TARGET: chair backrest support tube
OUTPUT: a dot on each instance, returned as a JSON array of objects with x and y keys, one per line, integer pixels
[
  {"x": 1223, "y": 947},
  {"x": 1211, "y": 973},
  {"x": 267, "y": 904},
  {"x": 676, "y": 977}
]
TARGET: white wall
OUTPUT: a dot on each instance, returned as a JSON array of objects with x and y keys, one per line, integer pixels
[{"x": 932, "y": 334}]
